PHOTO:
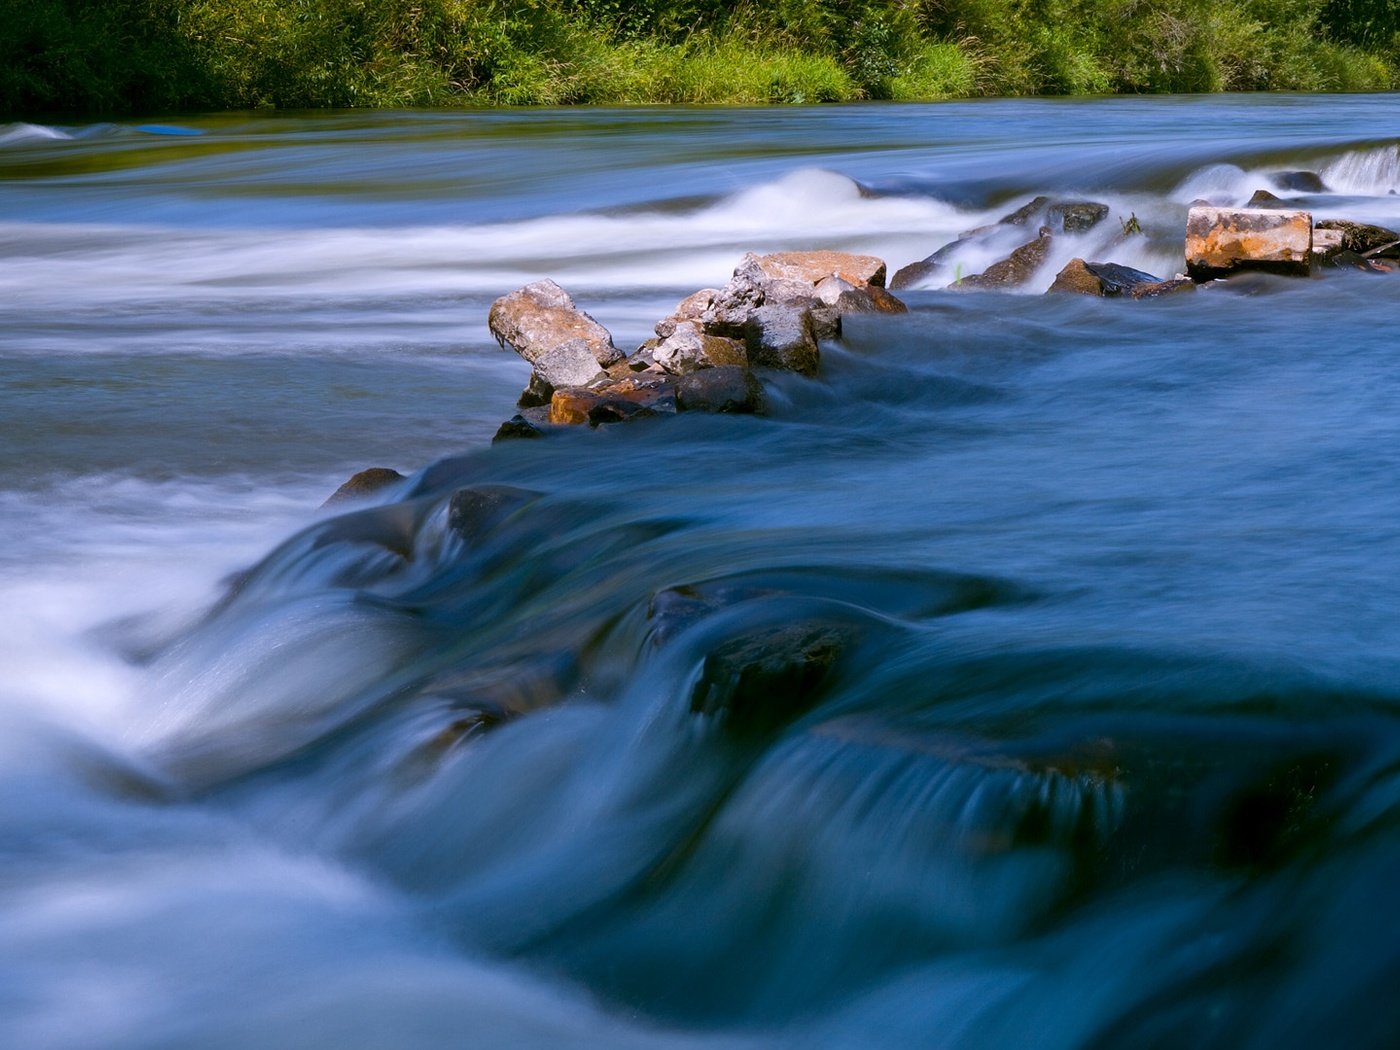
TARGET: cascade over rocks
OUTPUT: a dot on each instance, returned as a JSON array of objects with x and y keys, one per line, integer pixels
[{"x": 1016, "y": 269}]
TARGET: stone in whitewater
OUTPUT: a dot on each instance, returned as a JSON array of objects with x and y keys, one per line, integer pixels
[
  {"x": 1221, "y": 241},
  {"x": 541, "y": 323}
]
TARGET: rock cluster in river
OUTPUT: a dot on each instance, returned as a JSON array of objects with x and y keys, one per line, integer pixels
[{"x": 773, "y": 314}]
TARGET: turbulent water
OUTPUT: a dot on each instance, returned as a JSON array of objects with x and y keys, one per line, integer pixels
[{"x": 1100, "y": 743}]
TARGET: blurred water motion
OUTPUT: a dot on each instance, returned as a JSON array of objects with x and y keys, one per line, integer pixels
[{"x": 1026, "y": 679}]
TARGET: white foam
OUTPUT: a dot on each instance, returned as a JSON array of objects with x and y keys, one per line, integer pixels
[
  {"x": 1365, "y": 173},
  {"x": 18, "y": 134}
]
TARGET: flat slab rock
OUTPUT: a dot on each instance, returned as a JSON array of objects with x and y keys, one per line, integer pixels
[
  {"x": 1221, "y": 241},
  {"x": 812, "y": 267}
]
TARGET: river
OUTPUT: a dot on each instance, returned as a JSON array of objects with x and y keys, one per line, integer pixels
[{"x": 1109, "y": 754}]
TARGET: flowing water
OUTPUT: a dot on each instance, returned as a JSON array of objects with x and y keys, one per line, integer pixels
[{"x": 1102, "y": 748}]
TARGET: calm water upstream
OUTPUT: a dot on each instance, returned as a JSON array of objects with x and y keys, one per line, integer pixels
[{"x": 1111, "y": 753}]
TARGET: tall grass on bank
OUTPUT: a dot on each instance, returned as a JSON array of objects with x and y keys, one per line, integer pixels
[{"x": 116, "y": 56}]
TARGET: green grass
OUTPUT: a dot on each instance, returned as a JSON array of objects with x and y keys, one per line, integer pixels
[{"x": 79, "y": 57}]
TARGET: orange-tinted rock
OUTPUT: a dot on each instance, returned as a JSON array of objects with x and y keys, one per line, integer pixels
[
  {"x": 1221, "y": 241},
  {"x": 811, "y": 267},
  {"x": 614, "y": 401},
  {"x": 1076, "y": 279},
  {"x": 690, "y": 348}
]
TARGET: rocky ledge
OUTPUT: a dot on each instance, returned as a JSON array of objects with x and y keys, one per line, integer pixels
[{"x": 772, "y": 314}]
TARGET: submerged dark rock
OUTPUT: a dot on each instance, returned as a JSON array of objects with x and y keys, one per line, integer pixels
[
  {"x": 757, "y": 683},
  {"x": 474, "y": 513},
  {"x": 517, "y": 427},
  {"x": 1300, "y": 182}
]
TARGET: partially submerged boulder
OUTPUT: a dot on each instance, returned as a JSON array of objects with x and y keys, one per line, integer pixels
[
  {"x": 363, "y": 485},
  {"x": 1108, "y": 280},
  {"x": 725, "y": 388},
  {"x": 782, "y": 337},
  {"x": 1221, "y": 241},
  {"x": 1363, "y": 238},
  {"x": 1016, "y": 269},
  {"x": 1075, "y": 216}
]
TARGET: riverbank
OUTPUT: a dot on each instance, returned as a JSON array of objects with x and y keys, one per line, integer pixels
[{"x": 167, "y": 56}]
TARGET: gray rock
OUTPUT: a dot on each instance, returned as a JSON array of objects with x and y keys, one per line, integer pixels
[
  {"x": 690, "y": 348},
  {"x": 571, "y": 363},
  {"x": 726, "y": 388},
  {"x": 782, "y": 337},
  {"x": 540, "y": 318}
]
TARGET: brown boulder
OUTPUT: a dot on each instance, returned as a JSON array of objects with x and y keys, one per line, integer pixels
[
  {"x": 363, "y": 485},
  {"x": 1222, "y": 241},
  {"x": 1016, "y": 269},
  {"x": 1077, "y": 279}
]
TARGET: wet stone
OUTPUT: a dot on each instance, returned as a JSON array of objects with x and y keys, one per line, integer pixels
[
  {"x": 1076, "y": 279},
  {"x": 474, "y": 513},
  {"x": 759, "y": 682},
  {"x": 1076, "y": 216},
  {"x": 782, "y": 337},
  {"x": 613, "y": 402},
  {"x": 1016, "y": 269},
  {"x": 363, "y": 485},
  {"x": 1363, "y": 238},
  {"x": 1300, "y": 182},
  {"x": 1025, "y": 213},
  {"x": 517, "y": 427},
  {"x": 1158, "y": 289},
  {"x": 536, "y": 393},
  {"x": 726, "y": 388},
  {"x": 1265, "y": 199}
]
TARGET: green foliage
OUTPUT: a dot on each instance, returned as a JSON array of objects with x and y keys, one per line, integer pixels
[{"x": 82, "y": 56}]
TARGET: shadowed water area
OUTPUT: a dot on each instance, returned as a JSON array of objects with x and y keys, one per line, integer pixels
[{"x": 1028, "y": 677}]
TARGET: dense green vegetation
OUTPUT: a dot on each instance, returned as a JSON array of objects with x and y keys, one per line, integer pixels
[{"x": 124, "y": 56}]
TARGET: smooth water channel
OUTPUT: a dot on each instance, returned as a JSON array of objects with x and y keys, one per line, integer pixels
[{"x": 1108, "y": 754}]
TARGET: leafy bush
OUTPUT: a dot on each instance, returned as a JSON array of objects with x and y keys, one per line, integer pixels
[{"x": 81, "y": 56}]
